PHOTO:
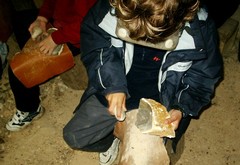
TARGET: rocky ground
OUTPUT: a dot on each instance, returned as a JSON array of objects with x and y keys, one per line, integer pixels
[{"x": 213, "y": 138}]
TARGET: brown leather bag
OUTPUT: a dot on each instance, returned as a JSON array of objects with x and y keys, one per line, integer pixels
[{"x": 32, "y": 67}]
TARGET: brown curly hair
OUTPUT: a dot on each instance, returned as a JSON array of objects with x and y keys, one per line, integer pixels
[{"x": 154, "y": 20}]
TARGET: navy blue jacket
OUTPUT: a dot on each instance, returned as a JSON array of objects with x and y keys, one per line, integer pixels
[{"x": 189, "y": 73}]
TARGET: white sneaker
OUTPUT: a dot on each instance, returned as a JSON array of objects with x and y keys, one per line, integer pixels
[
  {"x": 108, "y": 157},
  {"x": 21, "y": 119}
]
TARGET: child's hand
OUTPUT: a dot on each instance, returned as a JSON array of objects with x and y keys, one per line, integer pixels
[
  {"x": 175, "y": 118},
  {"x": 38, "y": 27},
  {"x": 116, "y": 103},
  {"x": 47, "y": 45}
]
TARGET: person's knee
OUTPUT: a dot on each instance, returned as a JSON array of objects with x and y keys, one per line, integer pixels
[
  {"x": 74, "y": 141},
  {"x": 69, "y": 139}
]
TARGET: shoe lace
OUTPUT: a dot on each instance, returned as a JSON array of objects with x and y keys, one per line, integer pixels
[{"x": 19, "y": 116}]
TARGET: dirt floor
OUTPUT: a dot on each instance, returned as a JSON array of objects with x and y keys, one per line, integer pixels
[{"x": 211, "y": 139}]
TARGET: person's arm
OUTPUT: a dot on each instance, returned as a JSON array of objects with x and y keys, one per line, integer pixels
[
  {"x": 103, "y": 61},
  {"x": 199, "y": 83},
  {"x": 70, "y": 29},
  {"x": 38, "y": 27},
  {"x": 47, "y": 9},
  {"x": 45, "y": 13}
]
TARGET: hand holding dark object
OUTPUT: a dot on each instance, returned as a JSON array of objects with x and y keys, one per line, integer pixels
[{"x": 116, "y": 103}]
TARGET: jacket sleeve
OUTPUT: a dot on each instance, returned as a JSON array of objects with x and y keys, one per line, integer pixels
[
  {"x": 103, "y": 61},
  {"x": 67, "y": 17},
  {"x": 46, "y": 9},
  {"x": 199, "y": 82},
  {"x": 71, "y": 22}
]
